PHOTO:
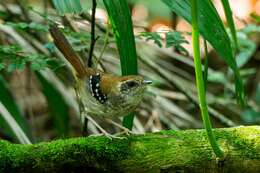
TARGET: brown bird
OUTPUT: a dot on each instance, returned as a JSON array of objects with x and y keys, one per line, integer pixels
[{"x": 101, "y": 94}]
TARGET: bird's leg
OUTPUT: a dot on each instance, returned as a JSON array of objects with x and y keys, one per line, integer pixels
[
  {"x": 125, "y": 130},
  {"x": 103, "y": 131}
]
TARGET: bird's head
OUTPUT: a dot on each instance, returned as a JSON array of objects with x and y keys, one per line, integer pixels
[{"x": 126, "y": 90}]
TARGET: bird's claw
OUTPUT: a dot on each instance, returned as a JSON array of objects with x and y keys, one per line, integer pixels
[{"x": 110, "y": 136}]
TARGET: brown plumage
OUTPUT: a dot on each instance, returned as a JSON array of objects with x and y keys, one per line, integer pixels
[{"x": 101, "y": 94}]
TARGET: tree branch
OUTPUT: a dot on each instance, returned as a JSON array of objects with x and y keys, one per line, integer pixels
[{"x": 165, "y": 151}]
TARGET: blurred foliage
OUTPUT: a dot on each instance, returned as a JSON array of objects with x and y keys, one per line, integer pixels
[
  {"x": 67, "y": 6},
  {"x": 25, "y": 26},
  {"x": 13, "y": 58},
  {"x": 154, "y": 36},
  {"x": 152, "y": 7},
  {"x": 173, "y": 39},
  {"x": 255, "y": 17}
]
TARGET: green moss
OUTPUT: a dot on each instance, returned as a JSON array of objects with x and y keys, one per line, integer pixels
[
  {"x": 246, "y": 140},
  {"x": 91, "y": 150},
  {"x": 168, "y": 150}
]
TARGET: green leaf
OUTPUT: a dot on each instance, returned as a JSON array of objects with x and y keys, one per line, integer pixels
[
  {"x": 7, "y": 100},
  {"x": 120, "y": 19},
  {"x": 154, "y": 36},
  {"x": 38, "y": 27},
  {"x": 59, "y": 109},
  {"x": 175, "y": 39},
  {"x": 13, "y": 58},
  {"x": 24, "y": 26},
  {"x": 67, "y": 6},
  {"x": 212, "y": 29},
  {"x": 247, "y": 49},
  {"x": 19, "y": 25}
]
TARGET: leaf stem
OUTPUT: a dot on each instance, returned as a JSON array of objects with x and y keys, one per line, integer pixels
[{"x": 199, "y": 81}]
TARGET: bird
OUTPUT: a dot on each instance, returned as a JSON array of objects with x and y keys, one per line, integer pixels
[{"x": 101, "y": 94}]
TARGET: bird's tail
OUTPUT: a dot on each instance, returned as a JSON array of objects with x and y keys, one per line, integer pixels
[{"x": 66, "y": 49}]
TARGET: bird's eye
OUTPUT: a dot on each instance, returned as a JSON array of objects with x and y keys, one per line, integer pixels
[
  {"x": 128, "y": 85},
  {"x": 131, "y": 84}
]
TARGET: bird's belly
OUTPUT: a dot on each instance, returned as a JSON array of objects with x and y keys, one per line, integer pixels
[{"x": 106, "y": 110}]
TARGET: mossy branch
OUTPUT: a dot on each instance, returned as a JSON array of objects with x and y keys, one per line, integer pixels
[{"x": 165, "y": 151}]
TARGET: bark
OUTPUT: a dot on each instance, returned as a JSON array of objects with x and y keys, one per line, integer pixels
[{"x": 165, "y": 151}]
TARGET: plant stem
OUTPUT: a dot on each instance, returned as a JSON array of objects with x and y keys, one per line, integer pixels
[{"x": 199, "y": 81}]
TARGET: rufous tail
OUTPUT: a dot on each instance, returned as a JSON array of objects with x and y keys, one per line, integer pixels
[{"x": 63, "y": 45}]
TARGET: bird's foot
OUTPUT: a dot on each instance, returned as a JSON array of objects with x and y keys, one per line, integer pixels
[
  {"x": 110, "y": 136},
  {"x": 125, "y": 131},
  {"x": 115, "y": 136}
]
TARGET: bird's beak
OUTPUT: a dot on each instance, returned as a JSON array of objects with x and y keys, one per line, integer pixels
[{"x": 146, "y": 82}]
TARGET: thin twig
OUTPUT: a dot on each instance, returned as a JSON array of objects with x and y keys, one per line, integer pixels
[
  {"x": 93, "y": 37},
  {"x": 99, "y": 25}
]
